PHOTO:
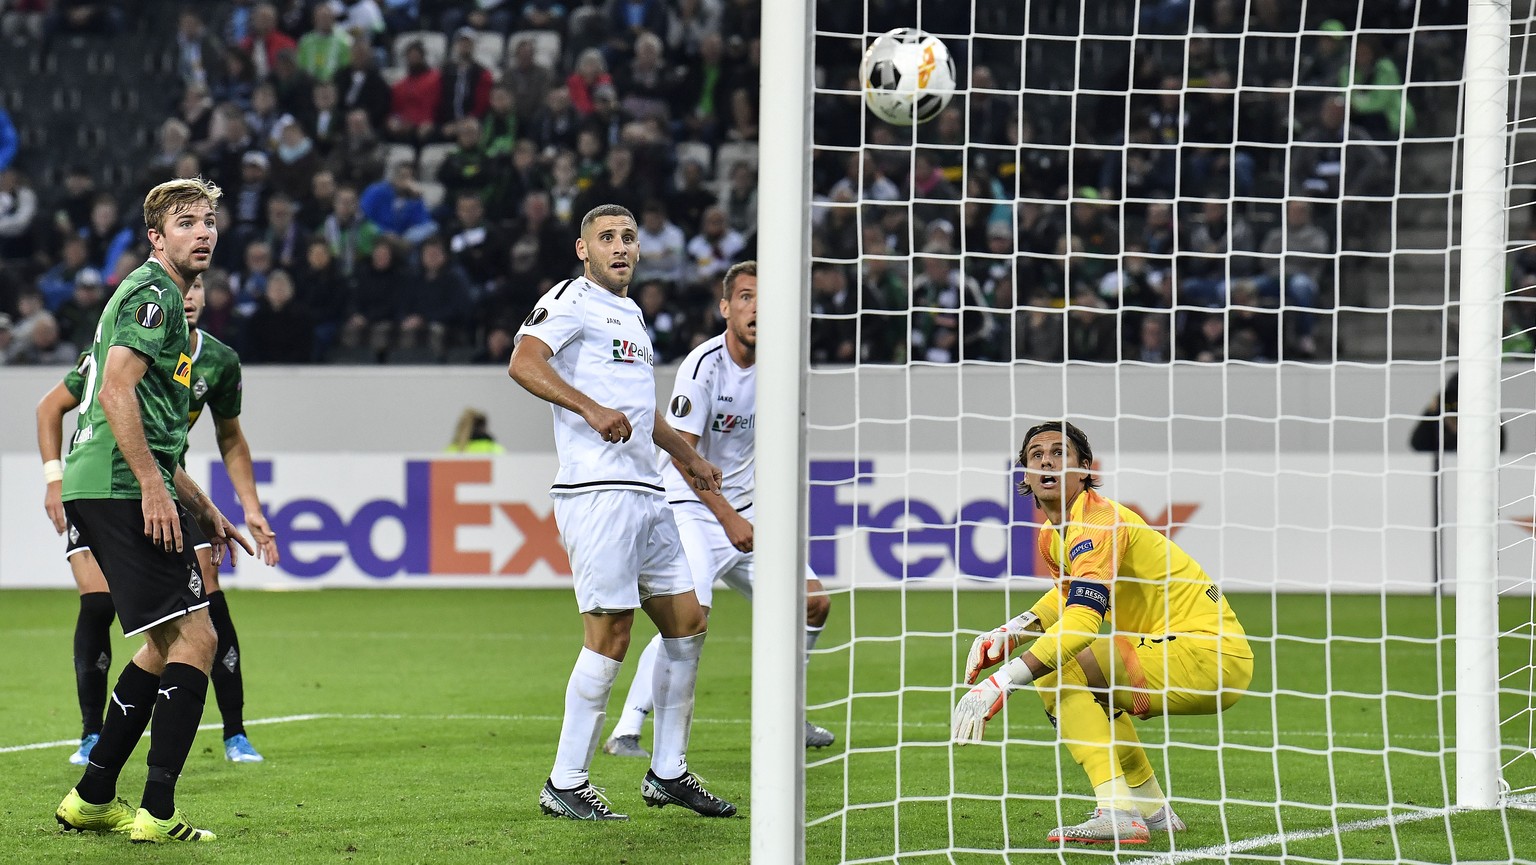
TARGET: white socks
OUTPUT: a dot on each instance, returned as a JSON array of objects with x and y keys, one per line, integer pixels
[
  {"x": 586, "y": 701},
  {"x": 641, "y": 697},
  {"x": 812, "y": 634},
  {"x": 676, "y": 672}
]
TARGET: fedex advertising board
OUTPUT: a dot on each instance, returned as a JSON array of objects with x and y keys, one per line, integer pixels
[{"x": 1256, "y": 522}]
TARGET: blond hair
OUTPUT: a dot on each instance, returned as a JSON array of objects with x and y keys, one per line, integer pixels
[
  {"x": 175, "y": 196},
  {"x": 471, "y": 425},
  {"x": 740, "y": 268}
]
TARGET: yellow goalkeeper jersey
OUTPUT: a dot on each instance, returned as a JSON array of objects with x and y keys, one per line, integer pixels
[{"x": 1154, "y": 589}]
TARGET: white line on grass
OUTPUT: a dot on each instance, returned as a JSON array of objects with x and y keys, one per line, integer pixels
[{"x": 1222, "y": 851}]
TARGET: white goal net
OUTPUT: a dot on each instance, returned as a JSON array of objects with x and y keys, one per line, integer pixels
[{"x": 1224, "y": 239}]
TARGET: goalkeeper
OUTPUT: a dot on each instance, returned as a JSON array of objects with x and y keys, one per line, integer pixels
[{"x": 1174, "y": 646}]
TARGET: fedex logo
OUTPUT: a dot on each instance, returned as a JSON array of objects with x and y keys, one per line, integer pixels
[
  {"x": 443, "y": 523},
  {"x": 909, "y": 536}
]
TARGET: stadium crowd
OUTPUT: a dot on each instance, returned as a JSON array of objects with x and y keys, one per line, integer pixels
[{"x": 402, "y": 176}]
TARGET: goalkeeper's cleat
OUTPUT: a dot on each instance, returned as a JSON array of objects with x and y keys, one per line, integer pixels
[
  {"x": 583, "y": 803},
  {"x": 624, "y": 746},
  {"x": 1106, "y": 826},
  {"x": 969, "y": 722},
  {"x": 1164, "y": 820},
  {"x": 686, "y": 791},
  {"x": 818, "y": 737},
  {"x": 149, "y": 829},
  {"x": 83, "y": 755},
  {"x": 77, "y": 815},
  {"x": 238, "y": 749}
]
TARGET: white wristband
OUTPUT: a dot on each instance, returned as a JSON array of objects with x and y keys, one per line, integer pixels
[{"x": 53, "y": 470}]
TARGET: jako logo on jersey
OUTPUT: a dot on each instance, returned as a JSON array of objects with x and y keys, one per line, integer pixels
[
  {"x": 1079, "y": 549},
  {"x": 681, "y": 406},
  {"x": 183, "y": 373},
  {"x": 629, "y": 351},
  {"x": 447, "y": 518},
  {"x": 724, "y": 423},
  {"x": 149, "y": 315},
  {"x": 536, "y": 317}
]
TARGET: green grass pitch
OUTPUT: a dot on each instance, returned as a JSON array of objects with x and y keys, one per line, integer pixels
[{"x": 434, "y": 716}]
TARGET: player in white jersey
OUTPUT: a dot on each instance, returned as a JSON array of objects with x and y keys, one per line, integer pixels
[
  {"x": 714, "y": 408},
  {"x": 584, "y": 350}
]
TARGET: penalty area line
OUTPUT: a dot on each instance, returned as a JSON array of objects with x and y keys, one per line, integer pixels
[{"x": 1222, "y": 851}]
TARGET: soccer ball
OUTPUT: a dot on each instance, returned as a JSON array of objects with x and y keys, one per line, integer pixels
[{"x": 908, "y": 76}]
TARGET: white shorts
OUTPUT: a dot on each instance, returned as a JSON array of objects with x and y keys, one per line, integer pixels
[
  {"x": 624, "y": 549},
  {"x": 710, "y": 554}
]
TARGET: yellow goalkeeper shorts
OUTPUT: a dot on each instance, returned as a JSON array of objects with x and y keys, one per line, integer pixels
[{"x": 1177, "y": 676}]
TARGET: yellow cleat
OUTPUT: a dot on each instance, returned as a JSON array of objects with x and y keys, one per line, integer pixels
[
  {"x": 148, "y": 830},
  {"x": 77, "y": 815}
]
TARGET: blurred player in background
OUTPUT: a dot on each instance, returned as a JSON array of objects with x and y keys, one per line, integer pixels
[
  {"x": 216, "y": 385},
  {"x": 1175, "y": 647},
  {"x": 143, "y": 518},
  {"x": 584, "y": 349},
  {"x": 714, "y": 408}
]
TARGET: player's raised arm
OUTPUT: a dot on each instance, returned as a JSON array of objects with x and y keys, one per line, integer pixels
[
  {"x": 236, "y": 452},
  {"x": 122, "y": 372},
  {"x": 55, "y": 404},
  {"x": 701, "y": 472}
]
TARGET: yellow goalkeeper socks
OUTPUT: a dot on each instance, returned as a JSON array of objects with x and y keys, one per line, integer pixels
[
  {"x": 1116, "y": 794},
  {"x": 1149, "y": 797}
]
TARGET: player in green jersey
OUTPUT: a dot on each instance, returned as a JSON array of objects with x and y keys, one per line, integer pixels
[
  {"x": 143, "y": 518},
  {"x": 215, "y": 384}
]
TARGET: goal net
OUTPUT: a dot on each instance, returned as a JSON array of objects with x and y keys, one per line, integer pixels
[{"x": 1224, "y": 239}]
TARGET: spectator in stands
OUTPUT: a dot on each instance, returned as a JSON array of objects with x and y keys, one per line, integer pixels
[
  {"x": 436, "y": 307},
  {"x": 237, "y": 81},
  {"x": 833, "y": 306},
  {"x": 646, "y": 82},
  {"x": 280, "y": 329},
  {"x": 294, "y": 159},
  {"x": 542, "y": 15},
  {"x": 743, "y": 116},
  {"x": 617, "y": 184},
  {"x": 1152, "y": 342},
  {"x": 290, "y": 84},
  {"x": 496, "y": 15},
  {"x": 1331, "y": 157},
  {"x": 359, "y": 85},
  {"x": 172, "y": 141},
  {"x": 686, "y": 204},
  {"x": 553, "y": 240},
  {"x": 414, "y": 99},
  {"x": 324, "y": 292},
  {"x": 666, "y": 327},
  {"x": 218, "y": 316},
  {"x": 515, "y": 178},
  {"x": 325, "y": 49},
  {"x": 497, "y": 348},
  {"x": 665, "y": 247},
  {"x": 57, "y": 284},
  {"x": 468, "y": 168},
  {"x": 232, "y": 140},
  {"x": 248, "y": 284},
  {"x": 77, "y": 316},
  {"x": 715, "y": 248},
  {"x": 1254, "y": 327},
  {"x": 1378, "y": 97},
  {"x": 72, "y": 208},
  {"x": 287, "y": 239},
  {"x": 322, "y": 118},
  {"x": 264, "y": 116},
  {"x": 631, "y": 19},
  {"x": 564, "y": 187},
  {"x": 498, "y": 128},
  {"x": 1215, "y": 242},
  {"x": 949, "y": 322},
  {"x": 315, "y": 205},
  {"x": 381, "y": 282},
  {"x": 195, "y": 109},
  {"x": 187, "y": 167},
  {"x": 699, "y": 98},
  {"x": 466, "y": 85},
  {"x": 691, "y": 23},
  {"x": 740, "y": 199},
  {"x": 248, "y": 199},
  {"x": 265, "y": 40},
  {"x": 105, "y": 237},
  {"x": 198, "y": 52},
  {"x": 1295, "y": 256},
  {"x": 865, "y": 179},
  {"x": 41, "y": 344},
  {"x": 351, "y": 235},
  {"x": 527, "y": 80},
  {"x": 478, "y": 247},
  {"x": 396, "y": 205},
  {"x": 18, "y": 208},
  {"x": 591, "y": 71},
  {"x": 930, "y": 184},
  {"x": 555, "y": 125},
  {"x": 358, "y": 159},
  {"x": 82, "y": 17},
  {"x": 7, "y": 338},
  {"x": 364, "y": 18}
]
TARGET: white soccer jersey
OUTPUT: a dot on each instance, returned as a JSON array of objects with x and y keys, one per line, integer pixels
[
  {"x": 716, "y": 400},
  {"x": 601, "y": 349}
]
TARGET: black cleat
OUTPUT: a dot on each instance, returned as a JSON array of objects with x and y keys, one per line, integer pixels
[
  {"x": 583, "y": 803},
  {"x": 685, "y": 791}
]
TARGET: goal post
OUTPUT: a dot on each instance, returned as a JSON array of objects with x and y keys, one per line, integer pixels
[{"x": 1484, "y": 228}]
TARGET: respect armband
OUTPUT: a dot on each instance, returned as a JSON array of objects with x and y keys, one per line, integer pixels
[{"x": 1087, "y": 593}]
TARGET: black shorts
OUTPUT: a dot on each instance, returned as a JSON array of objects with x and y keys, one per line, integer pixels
[
  {"x": 149, "y": 584},
  {"x": 72, "y": 542}
]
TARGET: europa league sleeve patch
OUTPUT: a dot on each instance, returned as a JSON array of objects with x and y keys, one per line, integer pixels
[
  {"x": 536, "y": 317},
  {"x": 681, "y": 406},
  {"x": 149, "y": 315}
]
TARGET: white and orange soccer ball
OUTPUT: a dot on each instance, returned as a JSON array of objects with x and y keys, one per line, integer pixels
[{"x": 908, "y": 77}]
